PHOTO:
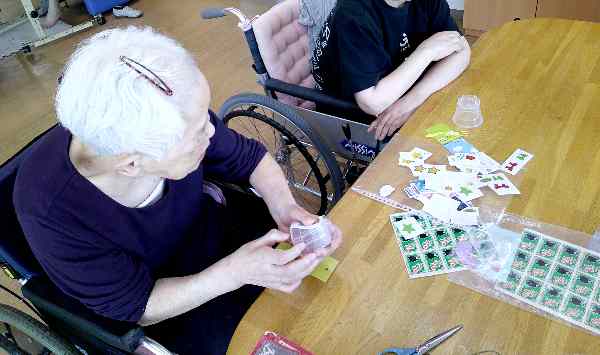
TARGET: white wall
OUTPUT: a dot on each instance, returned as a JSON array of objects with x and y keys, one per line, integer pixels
[{"x": 457, "y": 4}]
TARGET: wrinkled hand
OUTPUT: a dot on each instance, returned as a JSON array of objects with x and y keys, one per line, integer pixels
[
  {"x": 285, "y": 216},
  {"x": 257, "y": 263},
  {"x": 443, "y": 44},
  {"x": 391, "y": 119}
]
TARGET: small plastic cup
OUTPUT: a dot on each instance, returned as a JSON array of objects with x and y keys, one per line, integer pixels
[
  {"x": 315, "y": 237},
  {"x": 468, "y": 112}
]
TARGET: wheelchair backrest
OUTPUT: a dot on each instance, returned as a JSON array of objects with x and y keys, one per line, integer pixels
[
  {"x": 283, "y": 45},
  {"x": 14, "y": 249},
  {"x": 61, "y": 312}
]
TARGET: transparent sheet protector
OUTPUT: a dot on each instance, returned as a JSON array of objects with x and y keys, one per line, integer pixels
[
  {"x": 517, "y": 224},
  {"x": 386, "y": 171}
]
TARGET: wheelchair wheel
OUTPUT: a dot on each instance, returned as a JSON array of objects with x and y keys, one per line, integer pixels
[
  {"x": 313, "y": 173},
  {"x": 22, "y": 334}
]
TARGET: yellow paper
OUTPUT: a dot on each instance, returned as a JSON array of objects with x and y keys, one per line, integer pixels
[{"x": 323, "y": 271}]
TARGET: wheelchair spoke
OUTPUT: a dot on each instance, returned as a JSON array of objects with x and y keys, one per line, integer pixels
[{"x": 302, "y": 164}]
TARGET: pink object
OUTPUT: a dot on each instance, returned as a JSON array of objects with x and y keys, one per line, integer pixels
[
  {"x": 283, "y": 45},
  {"x": 464, "y": 251}
]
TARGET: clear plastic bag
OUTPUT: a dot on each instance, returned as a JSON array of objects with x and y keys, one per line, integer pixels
[
  {"x": 489, "y": 251},
  {"x": 473, "y": 279}
]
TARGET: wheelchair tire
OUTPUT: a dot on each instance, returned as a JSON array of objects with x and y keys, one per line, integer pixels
[
  {"x": 38, "y": 332},
  {"x": 323, "y": 184}
]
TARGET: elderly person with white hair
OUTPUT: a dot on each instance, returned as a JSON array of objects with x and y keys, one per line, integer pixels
[{"x": 116, "y": 208}]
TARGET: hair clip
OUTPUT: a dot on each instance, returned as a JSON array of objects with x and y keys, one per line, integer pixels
[{"x": 149, "y": 75}]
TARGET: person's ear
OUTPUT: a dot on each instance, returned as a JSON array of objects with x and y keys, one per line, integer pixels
[{"x": 129, "y": 165}]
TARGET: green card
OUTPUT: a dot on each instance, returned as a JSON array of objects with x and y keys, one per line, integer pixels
[
  {"x": 323, "y": 271},
  {"x": 437, "y": 129}
]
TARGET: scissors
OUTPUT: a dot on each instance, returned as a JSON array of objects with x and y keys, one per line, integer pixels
[{"x": 426, "y": 346}]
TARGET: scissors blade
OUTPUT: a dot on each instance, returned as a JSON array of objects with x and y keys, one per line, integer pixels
[{"x": 436, "y": 340}]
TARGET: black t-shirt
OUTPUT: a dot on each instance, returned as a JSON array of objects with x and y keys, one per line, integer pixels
[{"x": 362, "y": 41}]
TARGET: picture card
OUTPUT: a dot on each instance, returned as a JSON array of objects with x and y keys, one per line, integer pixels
[
  {"x": 432, "y": 251},
  {"x": 416, "y": 156},
  {"x": 500, "y": 184},
  {"x": 557, "y": 277},
  {"x": 516, "y": 161},
  {"x": 459, "y": 145}
]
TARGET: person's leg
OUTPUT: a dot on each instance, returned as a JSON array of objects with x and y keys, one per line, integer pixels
[
  {"x": 208, "y": 329},
  {"x": 52, "y": 15},
  {"x": 248, "y": 218}
]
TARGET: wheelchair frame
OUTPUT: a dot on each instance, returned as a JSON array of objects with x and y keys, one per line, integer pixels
[
  {"x": 68, "y": 320},
  {"x": 337, "y": 140}
]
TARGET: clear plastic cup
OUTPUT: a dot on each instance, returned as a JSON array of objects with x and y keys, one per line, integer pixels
[
  {"x": 315, "y": 237},
  {"x": 468, "y": 112}
]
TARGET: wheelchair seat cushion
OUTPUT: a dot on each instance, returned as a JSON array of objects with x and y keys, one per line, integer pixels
[{"x": 283, "y": 44}]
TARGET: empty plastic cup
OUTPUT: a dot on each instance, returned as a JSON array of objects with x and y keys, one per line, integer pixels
[{"x": 468, "y": 112}]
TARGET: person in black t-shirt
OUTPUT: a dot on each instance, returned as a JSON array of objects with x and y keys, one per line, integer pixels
[{"x": 389, "y": 56}]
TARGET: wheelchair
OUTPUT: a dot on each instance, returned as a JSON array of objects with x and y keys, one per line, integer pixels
[
  {"x": 70, "y": 327},
  {"x": 319, "y": 153}
]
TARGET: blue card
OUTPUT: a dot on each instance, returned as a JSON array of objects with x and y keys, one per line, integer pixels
[{"x": 460, "y": 145}]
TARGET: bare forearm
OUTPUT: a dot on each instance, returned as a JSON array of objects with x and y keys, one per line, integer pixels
[
  {"x": 271, "y": 184},
  {"x": 439, "y": 76},
  {"x": 173, "y": 296},
  {"x": 388, "y": 90}
]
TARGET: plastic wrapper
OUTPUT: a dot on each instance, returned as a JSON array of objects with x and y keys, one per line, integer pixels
[
  {"x": 488, "y": 251},
  {"x": 510, "y": 224},
  {"x": 315, "y": 237}
]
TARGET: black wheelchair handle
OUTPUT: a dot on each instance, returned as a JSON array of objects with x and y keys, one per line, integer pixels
[{"x": 212, "y": 12}]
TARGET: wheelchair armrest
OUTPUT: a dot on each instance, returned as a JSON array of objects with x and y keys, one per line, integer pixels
[
  {"x": 67, "y": 315},
  {"x": 309, "y": 94}
]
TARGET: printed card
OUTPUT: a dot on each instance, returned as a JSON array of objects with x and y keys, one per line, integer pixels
[
  {"x": 558, "y": 277},
  {"x": 408, "y": 228},
  {"x": 431, "y": 252},
  {"x": 459, "y": 145},
  {"x": 552, "y": 297},
  {"x": 468, "y": 193},
  {"x": 500, "y": 184},
  {"x": 411, "y": 191},
  {"x": 416, "y": 156},
  {"x": 593, "y": 318},
  {"x": 420, "y": 170},
  {"x": 420, "y": 154},
  {"x": 516, "y": 161}
]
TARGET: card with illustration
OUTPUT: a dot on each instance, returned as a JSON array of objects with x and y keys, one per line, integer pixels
[
  {"x": 408, "y": 228},
  {"x": 556, "y": 276},
  {"x": 459, "y": 145},
  {"x": 500, "y": 184},
  {"x": 430, "y": 251},
  {"x": 516, "y": 161}
]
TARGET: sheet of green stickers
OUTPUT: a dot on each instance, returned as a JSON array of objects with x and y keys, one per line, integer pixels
[
  {"x": 431, "y": 252},
  {"x": 557, "y": 277}
]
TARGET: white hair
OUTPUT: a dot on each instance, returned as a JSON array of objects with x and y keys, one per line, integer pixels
[{"x": 112, "y": 108}]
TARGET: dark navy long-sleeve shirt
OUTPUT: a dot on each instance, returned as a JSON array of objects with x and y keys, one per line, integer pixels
[{"x": 102, "y": 253}]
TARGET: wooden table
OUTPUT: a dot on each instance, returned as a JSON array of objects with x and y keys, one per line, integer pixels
[{"x": 539, "y": 84}]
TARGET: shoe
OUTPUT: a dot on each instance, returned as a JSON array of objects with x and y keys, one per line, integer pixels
[
  {"x": 43, "y": 9},
  {"x": 126, "y": 11}
]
